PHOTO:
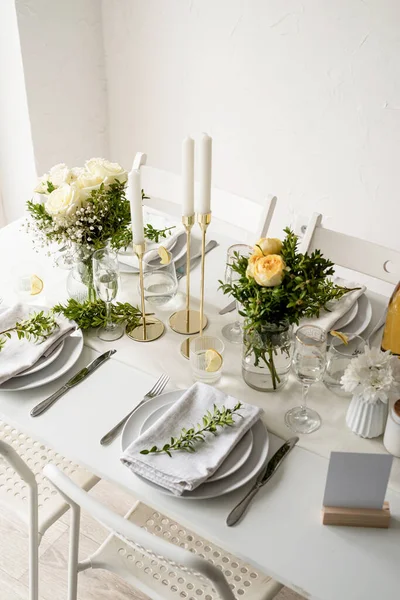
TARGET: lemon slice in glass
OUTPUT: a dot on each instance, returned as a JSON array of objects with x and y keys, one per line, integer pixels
[
  {"x": 213, "y": 361},
  {"x": 341, "y": 336},
  {"x": 36, "y": 285},
  {"x": 164, "y": 255}
]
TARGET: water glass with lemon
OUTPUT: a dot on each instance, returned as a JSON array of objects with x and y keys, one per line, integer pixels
[
  {"x": 159, "y": 277},
  {"x": 28, "y": 286},
  {"x": 206, "y": 358}
]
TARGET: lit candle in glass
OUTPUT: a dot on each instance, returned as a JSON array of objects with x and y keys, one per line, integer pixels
[
  {"x": 134, "y": 193},
  {"x": 204, "y": 200}
]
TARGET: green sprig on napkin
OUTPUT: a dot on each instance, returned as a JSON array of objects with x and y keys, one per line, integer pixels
[
  {"x": 222, "y": 417},
  {"x": 37, "y": 328}
]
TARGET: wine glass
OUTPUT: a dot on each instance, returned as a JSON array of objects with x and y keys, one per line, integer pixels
[
  {"x": 106, "y": 278},
  {"x": 233, "y": 331},
  {"x": 308, "y": 363}
]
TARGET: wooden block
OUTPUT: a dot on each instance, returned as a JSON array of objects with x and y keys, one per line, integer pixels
[{"x": 357, "y": 517}]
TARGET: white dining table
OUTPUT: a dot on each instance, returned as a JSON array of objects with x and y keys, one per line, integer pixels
[{"x": 282, "y": 532}]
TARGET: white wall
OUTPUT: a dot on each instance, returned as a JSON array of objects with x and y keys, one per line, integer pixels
[
  {"x": 302, "y": 99},
  {"x": 17, "y": 164},
  {"x": 62, "y": 49}
]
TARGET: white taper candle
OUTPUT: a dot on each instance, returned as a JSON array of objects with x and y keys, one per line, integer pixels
[
  {"x": 134, "y": 194},
  {"x": 188, "y": 177},
  {"x": 204, "y": 201}
]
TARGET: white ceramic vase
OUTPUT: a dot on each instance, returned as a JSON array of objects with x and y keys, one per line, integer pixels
[{"x": 365, "y": 419}]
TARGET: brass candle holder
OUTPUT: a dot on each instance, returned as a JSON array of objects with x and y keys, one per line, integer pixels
[
  {"x": 203, "y": 220},
  {"x": 150, "y": 328},
  {"x": 187, "y": 321}
]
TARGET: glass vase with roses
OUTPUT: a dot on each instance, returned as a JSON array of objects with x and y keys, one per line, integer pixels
[
  {"x": 86, "y": 209},
  {"x": 276, "y": 288}
]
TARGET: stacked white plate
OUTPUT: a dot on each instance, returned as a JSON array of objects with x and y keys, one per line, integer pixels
[
  {"x": 48, "y": 368},
  {"x": 357, "y": 319},
  {"x": 243, "y": 464}
]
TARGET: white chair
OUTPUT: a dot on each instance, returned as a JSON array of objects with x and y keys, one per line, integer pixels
[
  {"x": 351, "y": 252},
  {"x": 157, "y": 555},
  {"x": 247, "y": 220},
  {"x": 25, "y": 491}
]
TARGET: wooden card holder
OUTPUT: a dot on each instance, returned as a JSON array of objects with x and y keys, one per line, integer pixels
[{"x": 357, "y": 517}]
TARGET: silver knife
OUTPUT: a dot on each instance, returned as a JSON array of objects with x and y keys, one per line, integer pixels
[
  {"x": 265, "y": 475},
  {"x": 231, "y": 306},
  {"x": 180, "y": 264},
  {"x": 80, "y": 376}
]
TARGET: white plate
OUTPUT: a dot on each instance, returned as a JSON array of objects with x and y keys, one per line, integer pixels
[
  {"x": 347, "y": 318},
  {"x": 159, "y": 221},
  {"x": 362, "y": 318},
  {"x": 248, "y": 471},
  {"x": 234, "y": 460},
  {"x": 71, "y": 351},
  {"x": 43, "y": 361}
]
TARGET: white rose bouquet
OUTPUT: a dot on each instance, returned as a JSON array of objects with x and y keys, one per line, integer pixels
[
  {"x": 276, "y": 287},
  {"x": 85, "y": 206}
]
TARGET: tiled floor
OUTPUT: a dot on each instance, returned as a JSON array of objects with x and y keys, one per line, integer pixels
[{"x": 93, "y": 584}]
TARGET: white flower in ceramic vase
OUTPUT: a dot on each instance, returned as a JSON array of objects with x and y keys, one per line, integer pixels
[
  {"x": 63, "y": 202},
  {"x": 372, "y": 377},
  {"x": 108, "y": 171}
]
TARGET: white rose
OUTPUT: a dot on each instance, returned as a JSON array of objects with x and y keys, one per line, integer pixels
[
  {"x": 108, "y": 171},
  {"x": 76, "y": 172},
  {"x": 59, "y": 174},
  {"x": 41, "y": 186},
  {"x": 63, "y": 201}
]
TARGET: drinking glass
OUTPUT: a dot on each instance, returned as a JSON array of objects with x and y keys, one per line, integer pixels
[
  {"x": 337, "y": 361},
  {"x": 159, "y": 281},
  {"x": 198, "y": 348},
  {"x": 308, "y": 363},
  {"x": 233, "y": 331},
  {"x": 106, "y": 279}
]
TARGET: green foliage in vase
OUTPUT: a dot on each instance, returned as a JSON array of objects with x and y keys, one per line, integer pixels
[
  {"x": 305, "y": 289},
  {"x": 94, "y": 314},
  {"x": 188, "y": 438}
]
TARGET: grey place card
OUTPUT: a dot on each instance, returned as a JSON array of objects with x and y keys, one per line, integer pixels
[{"x": 357, "y": 480}]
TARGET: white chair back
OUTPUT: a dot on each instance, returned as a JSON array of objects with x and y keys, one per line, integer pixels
[
  {"x": 351, "y": 252},
  {"x": 137, "y": 537},
  {"x": 248, "y": 219}
]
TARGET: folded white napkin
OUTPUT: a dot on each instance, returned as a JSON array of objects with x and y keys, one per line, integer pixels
[
  {"x": 337, "y": 308},
  {"x": 159, "y": 221},
  {"x": 186, "y": 471},
  {"x": 18, "y": 355}
]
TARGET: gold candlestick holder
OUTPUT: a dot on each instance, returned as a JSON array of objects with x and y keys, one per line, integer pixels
[
  {"x": 203, "y": 220},
  {"x": 150, "y": 328},
  {"x": 187, "y": 321}
]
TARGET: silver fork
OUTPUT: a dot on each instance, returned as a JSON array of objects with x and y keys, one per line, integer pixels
[{"x": 155, "y": 391}]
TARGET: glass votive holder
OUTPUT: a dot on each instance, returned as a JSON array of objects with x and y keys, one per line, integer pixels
[
  {"x": 337, "y": 360},
  {"x": 160, "y": 281},
  {"x": 206, "y": 358}
]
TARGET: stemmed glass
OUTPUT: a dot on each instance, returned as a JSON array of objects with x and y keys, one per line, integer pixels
[
  {"x": 308, "y": 363},
  {"x": 106, "y": 279},
  {"x": 233, "y": 331}
]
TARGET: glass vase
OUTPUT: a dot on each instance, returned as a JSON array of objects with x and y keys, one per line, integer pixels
[
  {"x": 80, "y": 284},
  {"x": 266, "y": 355}
]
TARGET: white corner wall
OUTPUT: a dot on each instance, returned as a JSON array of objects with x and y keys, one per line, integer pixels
[
  {"x": 17, "y": 163},
  {"x": 63, "y": 56},
  {"x": 302, "y": 99}
]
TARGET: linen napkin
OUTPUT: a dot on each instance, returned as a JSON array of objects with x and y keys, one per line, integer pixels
[
  {"x": 17, "y": 355},
  {"x": 158, "y": 220},
  {"x": 185, "y": 471},
  {"x": 337, "y": 308}
]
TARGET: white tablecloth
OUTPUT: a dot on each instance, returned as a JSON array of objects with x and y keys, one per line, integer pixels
[{"x": 18, "y": 257}]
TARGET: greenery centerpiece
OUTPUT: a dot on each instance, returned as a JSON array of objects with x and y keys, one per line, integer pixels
[
  {"x": 86, "y": 208},
  {"x": 275, "y": 288}
]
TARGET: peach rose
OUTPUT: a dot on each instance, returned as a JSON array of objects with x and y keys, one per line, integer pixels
[
  {"x": 269, "y": 270},
  {"x": 266, "y": 246}
]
